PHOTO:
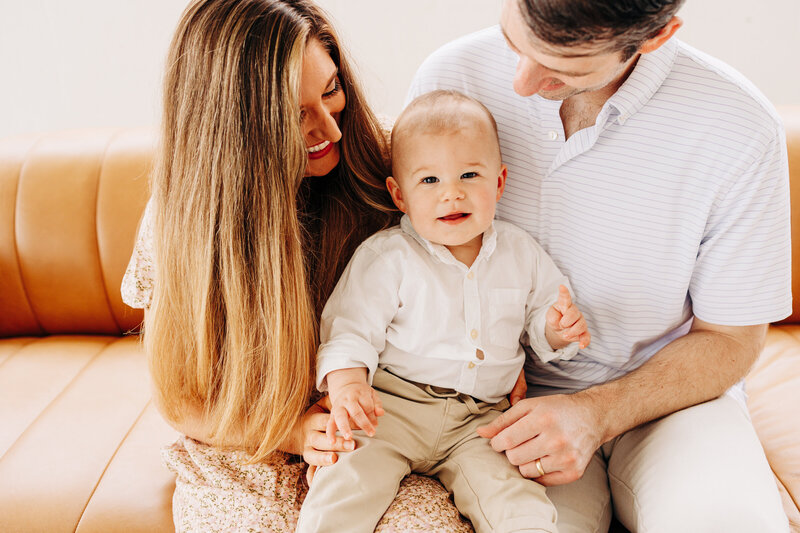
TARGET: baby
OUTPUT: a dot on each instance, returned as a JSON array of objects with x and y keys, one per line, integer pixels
[{"x": 431, "y": 314}]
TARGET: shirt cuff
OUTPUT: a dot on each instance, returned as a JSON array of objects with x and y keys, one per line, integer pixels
[
  {"x": 345, "y": 354},
  {"x": 542, "y": 348}
]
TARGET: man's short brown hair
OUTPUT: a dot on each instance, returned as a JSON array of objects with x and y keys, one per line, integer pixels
[{"x": 614, "y": 25}]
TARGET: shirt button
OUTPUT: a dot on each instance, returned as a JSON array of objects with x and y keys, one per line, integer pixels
[
  {"x": 474, "y": 333},
  {"x": 471, "y": 365},
  {"x": 552, "y": 135},
  {"x": 470, "y": 275}
]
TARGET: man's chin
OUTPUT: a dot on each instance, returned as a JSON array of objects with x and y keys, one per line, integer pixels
[{"x": 560, "y": 94}]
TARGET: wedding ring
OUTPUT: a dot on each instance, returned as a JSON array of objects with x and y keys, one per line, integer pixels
[{"x": 539, "y": 467}]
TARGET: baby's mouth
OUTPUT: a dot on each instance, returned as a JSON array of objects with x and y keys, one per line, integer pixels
[{"x": 454, "y": 216}]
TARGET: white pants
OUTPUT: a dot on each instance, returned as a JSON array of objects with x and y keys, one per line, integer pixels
[{"x": 701, "y": 470}]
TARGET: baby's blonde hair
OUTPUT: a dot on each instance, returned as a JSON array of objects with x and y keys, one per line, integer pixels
[{"x": 436, "y": 112}]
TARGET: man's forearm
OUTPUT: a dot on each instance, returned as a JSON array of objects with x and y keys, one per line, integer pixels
[{"x": 692, "y": 369}]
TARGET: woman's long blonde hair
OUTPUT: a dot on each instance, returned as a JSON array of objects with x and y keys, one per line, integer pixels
[{"x": 246, "y": 249}]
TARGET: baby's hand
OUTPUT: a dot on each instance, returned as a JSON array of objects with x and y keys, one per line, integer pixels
[
  {"x": 352, "y": 400},
  {"x": 565, "y": 323}
]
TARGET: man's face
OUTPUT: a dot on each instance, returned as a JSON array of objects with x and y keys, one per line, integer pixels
[{"x": 557, "y": 72}]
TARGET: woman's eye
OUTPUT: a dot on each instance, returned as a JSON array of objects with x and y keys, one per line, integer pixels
[
  {"x": 337, "y": 86},
  {"x": 468, "y": 175},
  {"x": 429, "y": 179},
  {"x": 302, "y": 115}
]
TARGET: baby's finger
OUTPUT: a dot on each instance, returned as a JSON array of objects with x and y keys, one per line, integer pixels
[
  {"x": 574, "y": 332},
  {"x": 361, "y": 419},
  {"x": 553, "y": 317},
  {"x": 564, "y": 300},
  {"x": 367, "y": 404},
  {"x": 330, "y": 430},
  {"x": 585, "y": 339},
  {"x": 340, "y": 414},
  {"x": 570, "y": 315}
]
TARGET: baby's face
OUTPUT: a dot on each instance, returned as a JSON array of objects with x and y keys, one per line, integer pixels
[{"x": 449, "y": 183}]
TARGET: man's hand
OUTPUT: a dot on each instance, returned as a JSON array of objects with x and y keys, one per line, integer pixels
[
  {"x": 563, "y": 431},
  {"x": 352, "y": 399},
  {"x": 565, "y": 323}
]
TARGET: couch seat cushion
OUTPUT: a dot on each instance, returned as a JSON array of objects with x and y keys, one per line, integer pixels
[
  {"x": 773, "y": 398},
  {"x": 79, "y": 446}
]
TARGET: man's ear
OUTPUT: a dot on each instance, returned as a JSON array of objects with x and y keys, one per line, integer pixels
[
  {"x": 396, "y": 193},
  {"x": 501, "y": 181},
  {"x": 655, "y": 42}
]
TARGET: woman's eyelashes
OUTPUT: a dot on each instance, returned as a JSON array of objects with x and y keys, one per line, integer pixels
[{"x": 337, "y": 86}]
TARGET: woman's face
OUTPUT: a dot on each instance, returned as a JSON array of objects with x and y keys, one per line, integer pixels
[{"x": 321, "y": 101}]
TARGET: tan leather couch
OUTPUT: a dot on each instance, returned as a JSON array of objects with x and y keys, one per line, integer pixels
[{"x": 79, "y": 435}]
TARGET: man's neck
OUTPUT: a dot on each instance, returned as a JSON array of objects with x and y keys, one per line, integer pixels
[{"x": 580, "y": 111}]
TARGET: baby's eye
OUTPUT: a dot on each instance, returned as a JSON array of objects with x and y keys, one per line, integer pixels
[
  {"x": 429, "y": 179},
  {"x": 468, "y": 175}
]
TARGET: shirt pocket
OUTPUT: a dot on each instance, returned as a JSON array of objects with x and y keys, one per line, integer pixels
[{"x": 506, "y": 316}]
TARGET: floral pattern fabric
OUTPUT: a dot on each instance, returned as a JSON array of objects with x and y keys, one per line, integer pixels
[{"x": 216, "y": 491}]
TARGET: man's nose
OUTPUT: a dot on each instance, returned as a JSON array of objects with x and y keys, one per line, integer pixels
[{"x": 530, "y": 77}]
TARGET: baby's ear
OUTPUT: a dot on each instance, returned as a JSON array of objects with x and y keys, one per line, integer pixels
[
  {"x": 396, "y": 193},
  {"x": 501, "y": 181}
]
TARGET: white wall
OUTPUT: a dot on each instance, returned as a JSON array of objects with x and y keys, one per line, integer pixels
[{"x": 87, "y": 63}]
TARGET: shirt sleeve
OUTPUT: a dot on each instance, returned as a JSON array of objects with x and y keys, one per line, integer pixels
[
  {"x": 355, "y": 318},
  {"x": 742, "y": 274},
  {"x": 546, "y": 280},
  {"x": 137, "y": 284}
]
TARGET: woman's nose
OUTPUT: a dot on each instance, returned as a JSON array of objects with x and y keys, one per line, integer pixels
[{"x": 321, "y": 124}]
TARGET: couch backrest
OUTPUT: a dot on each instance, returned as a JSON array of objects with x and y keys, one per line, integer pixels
[
  {"x": 70, "y": 203},
  {"x": 791, "y": 121}
]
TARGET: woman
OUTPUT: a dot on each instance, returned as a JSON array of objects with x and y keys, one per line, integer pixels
[{"x": 270, "y": 173}]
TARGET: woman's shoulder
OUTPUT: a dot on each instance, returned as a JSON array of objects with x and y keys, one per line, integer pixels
[{"x": 137, "y": 284}]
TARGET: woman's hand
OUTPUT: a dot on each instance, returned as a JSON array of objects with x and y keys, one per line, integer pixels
[{"x": 312, "y": 442}]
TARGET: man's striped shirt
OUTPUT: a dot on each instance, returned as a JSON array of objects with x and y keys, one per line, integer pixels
[{"x": 675, "y": 203}]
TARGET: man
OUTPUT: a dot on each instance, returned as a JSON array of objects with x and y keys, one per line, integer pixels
[{"x": 657, "y": 179}]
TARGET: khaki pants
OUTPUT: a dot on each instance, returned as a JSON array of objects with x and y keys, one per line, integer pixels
[
  {"x": 433, "y": 432},
  {"x": 700, "y": 470}
]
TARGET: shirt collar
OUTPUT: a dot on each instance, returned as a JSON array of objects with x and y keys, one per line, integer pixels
[
  {"x": 647, "y": 77},
  {"x": 440, "y": 251}
]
